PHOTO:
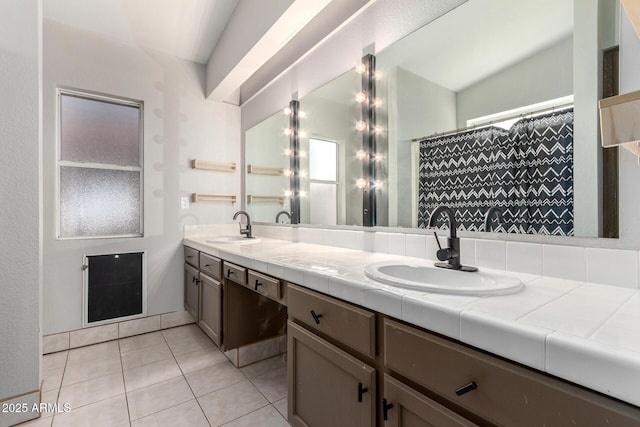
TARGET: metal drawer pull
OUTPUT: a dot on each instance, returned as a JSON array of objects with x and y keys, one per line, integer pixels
[
  {"x": 196, "y": 281},
  {"x": 207, "y": 265},
  {"x": 189, "y": 256},
  {"x": 385, "y": 409},
  {"x": 316, "y": 317},
  {"x": 229, "y": 272},
  {"x": 466, "y": 388},
  {"x": 361, "y": 390},
  {"x": 255, "y": 288}
]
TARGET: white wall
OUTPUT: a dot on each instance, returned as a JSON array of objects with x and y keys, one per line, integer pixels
[
  {"x": 179, "y": 125},
  {"x": 20, "y": 248}
]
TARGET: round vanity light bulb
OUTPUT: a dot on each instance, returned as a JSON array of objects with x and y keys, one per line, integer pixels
[
  {"x": 287, "y": 151},
  {"x": 378, "y": 75},
  {"x": 302, "y": 114},
  {"x": 360, "y": 125},
  {"x": 287, "y": 172},
  {"x": 378, "y": 129},
  {"x": 361, "y": 183},
  {"x": 378, "y": 157},
  {"x": 377, "y": 103},
  {"x": 378, "y": 185},
  {"x": 302, "y": 173},
  {"x": 361, "y": 155},
  {"x": 288, "y": 131},
  {"x": 303, "y": 193},
  {"x": 287, "y": 111},
  {"x": 361, "y": 68},
  {"x": 361, "y": 97},
  {"x": 288, "y": 193},
  {"x": 302, "y": 134}
]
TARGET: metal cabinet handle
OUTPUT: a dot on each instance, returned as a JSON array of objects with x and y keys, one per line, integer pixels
[
  {"x": 316, "y": 317},
  {"x": 466, "y": 388},
  {"x": 361, "y": 390},
  {"x": 207, "y": 265},
  {"x": 189, "y": 256},
  {"x": 229, "y": 272},
  {"x": 385, "y": 409},
  {"x": 196, "y": 281},
  {"x": 255, "y": 288}
]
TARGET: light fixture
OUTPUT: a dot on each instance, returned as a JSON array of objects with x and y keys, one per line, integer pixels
[
  {"x": 288, "y": 193},
  {"x": 361, "y": 97},
  {"x": 287, "y": 172},
  {"x": 361, "y": 68},
  {"x": 287, "y": 152},
  {"x": 378, "y": 75},
  {"x": 361, "y": 125},
  {"x": 303, "y": 193},
  {"x": 302, "y": 174},
  {"x": 287, "y": 132},
  {"x": 367, "y": 182},
  {"x": 378, "y": 157},
  {"x": 361, "y": 155},
  {"x": 302, "y": 134},
  {"x": 378, "y": 130},
  {"x": 378, "y": 185},
  {"x": 302, "y": 114},
  {"x": 361, "y": 183},
  {"x": 287, "y": 111},
  {"x": 377, "y": 103}
]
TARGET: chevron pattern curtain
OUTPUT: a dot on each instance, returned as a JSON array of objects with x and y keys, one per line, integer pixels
[{"x": 526, "y": 171}]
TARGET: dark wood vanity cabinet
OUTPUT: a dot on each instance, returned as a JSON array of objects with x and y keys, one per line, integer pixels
[{"x": 416, "y": 378}]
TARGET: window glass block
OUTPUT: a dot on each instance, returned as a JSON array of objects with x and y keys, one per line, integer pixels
[
  {"x": 99, "y": 132},
  {"x": 99, "y": 202},
  {"x": 323, "y": 160}
]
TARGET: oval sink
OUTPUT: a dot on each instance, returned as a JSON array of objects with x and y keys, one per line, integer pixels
[
  {"x": 234, "y": 239},
  {"x": 434, "y": 279}
]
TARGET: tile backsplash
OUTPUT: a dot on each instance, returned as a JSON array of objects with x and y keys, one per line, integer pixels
[{"x": 614, "y": 267}]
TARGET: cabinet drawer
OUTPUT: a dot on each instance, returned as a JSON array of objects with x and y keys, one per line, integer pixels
[
  {"x": 268, "y": 286},
  {"x": 210, "y": 265},
  {"x": 350, "y": 325},
  {"x": 498, "y": 391},
  {"x": 235, "y": 273},
  {"x": 191, "y": 256}
]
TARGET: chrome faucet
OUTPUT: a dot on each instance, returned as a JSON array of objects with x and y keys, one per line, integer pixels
[
  {"x": 487, "y": 218},
  {"x": 285, "y": 213},
  {"x": 247, "y": 230},
  {"x": 450, "y": 254}
]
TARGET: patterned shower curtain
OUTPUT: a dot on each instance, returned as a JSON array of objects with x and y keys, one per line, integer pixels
[{"x": 526, "y": 171}]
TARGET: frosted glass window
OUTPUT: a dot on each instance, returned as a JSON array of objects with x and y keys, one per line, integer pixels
[
  {"x": 100, "y": 166},
  {"x": 323, "y": 160},
  {"x": 99, "y": 202},
  {"x": 97, "y": 131},
  {"x": 323, "y": 203}
]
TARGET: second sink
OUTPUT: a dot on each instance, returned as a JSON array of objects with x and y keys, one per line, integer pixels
[{"x": 432, "y": 279}]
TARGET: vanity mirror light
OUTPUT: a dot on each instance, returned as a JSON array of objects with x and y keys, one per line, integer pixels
[{"x": 485, "y": 72}]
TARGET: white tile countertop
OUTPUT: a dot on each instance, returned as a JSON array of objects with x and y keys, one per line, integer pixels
[{"x": 585, "y": 333}]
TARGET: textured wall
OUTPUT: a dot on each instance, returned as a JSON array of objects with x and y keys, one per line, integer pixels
[
  {"x": 179, "y": 125},
  {"x": 19, "y": 196}
]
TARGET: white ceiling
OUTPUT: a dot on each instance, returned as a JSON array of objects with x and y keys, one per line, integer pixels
[
  {"x": 188, "y": 29},
  {"x": 480, "y": 38}
]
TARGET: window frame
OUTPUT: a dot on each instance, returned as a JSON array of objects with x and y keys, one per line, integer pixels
[{"x": 100, "y": 97}]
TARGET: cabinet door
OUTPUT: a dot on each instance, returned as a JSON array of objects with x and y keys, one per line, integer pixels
[
  {"x": 210, "y": 319},
  {"x": 327, "y": 387},
  {"x": 191, "y": 283},
  {"x": 405, "y": 407}
]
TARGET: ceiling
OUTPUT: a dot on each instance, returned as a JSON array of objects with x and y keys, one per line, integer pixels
[{"x": 187, "y": 29}]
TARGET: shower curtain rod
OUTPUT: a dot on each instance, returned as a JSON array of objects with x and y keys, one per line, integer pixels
[{"x": 479, "y": 126}]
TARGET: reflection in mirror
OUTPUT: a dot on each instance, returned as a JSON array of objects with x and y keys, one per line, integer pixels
[
  {"x": 329, "y": 142},
  {"x": 486, "y": 118},
  {"x": 267, "y": 172}
]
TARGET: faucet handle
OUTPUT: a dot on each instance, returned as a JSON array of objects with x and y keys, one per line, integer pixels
[{"x": 443, "y": 254}]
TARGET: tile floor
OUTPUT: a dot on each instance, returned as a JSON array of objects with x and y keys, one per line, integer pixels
[{"x": 174, "y": 377}]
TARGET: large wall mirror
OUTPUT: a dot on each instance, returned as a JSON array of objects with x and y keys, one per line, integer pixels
[{"x": 495, "y": 104}]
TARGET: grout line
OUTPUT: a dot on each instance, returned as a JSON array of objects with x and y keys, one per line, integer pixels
[{"x": 124, "y": 384}]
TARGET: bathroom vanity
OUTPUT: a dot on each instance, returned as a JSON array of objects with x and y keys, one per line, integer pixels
[{"x": 354, "y": 360}]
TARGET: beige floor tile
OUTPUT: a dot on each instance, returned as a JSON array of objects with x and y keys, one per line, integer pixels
[
  {"x": 157, "y": 397},
  {"x": 212, "y": 378},
  {"x": 176, "y": 334},
  {"x": 263, "y": 417},
  {"x": 50, "y": 398},
  {"x": 186, "y": 414},
  {"x": 191, "y": 344},
  {"x": 232, "y": 402},
  {"x": 93, "y": 353},
  {"x": 260, "y": 368},
  {"x": 272, "y": 384},
  {"x": 52, "y": 379},
  {"x": 54, "y": 360},
  {"x": 89, "y": 370},
  {"x": 282, "y": 407},
  {"x": 144, "y": 356},
  {"x": 200, "y": 359},
  {"x": 140, "y": 341},
  {"x": 152, "y": 373},
  {"x": 108, "y": 413},
  {"x": 39, "y": 422},
  {"x": 91, "y": 391}
]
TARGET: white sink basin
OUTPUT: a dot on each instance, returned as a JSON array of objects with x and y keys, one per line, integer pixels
[
  {"x": 434, "y": 279},
  {"x": 238, "y": 240}
]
